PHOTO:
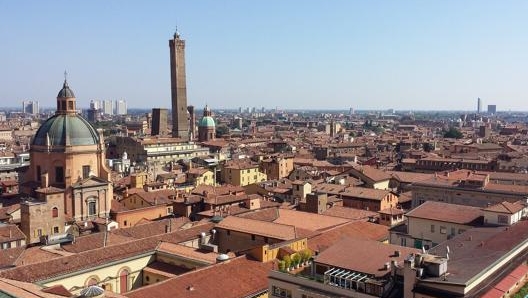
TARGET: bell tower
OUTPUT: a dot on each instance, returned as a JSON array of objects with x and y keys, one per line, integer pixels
[{"x": 180, "y": 123}]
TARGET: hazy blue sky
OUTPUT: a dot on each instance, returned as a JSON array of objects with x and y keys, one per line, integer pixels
[{"x": 274, "y": 53}]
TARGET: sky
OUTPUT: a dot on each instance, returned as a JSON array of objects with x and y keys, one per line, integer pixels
[{"x": 369, "y": 54}]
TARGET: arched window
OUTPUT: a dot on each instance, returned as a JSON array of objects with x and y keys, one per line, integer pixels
[
  {"x": 123, "y": 281},
  {"x": 92, "y": 281},
  {"x": 55, "y": 212}
]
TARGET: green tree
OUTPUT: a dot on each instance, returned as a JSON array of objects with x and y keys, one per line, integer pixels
[{"x": 454, "y": 133}]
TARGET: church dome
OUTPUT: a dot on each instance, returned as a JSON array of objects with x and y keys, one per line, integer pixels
[
  {"x": 207, "y": 121},
  {"x": 65, "y": 92},
  {"x": 66, "y": 130}
]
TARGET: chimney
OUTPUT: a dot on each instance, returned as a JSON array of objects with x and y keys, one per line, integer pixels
[
  {"x": 125, "y": 195},
  {"x": 44, "y": 179}
]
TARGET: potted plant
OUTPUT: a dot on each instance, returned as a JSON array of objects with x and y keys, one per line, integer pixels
[
  {"x": 296, "y": 260},
  {"x": 307, "y": 255},
  {"x": 287, "y": 262},
  {"x": 282, "y": 265}
]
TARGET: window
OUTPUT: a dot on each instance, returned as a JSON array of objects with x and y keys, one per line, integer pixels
[
  {"x": 123, "y": 281},
  {"x": 125, "y": 223},
  {"x": 460, "y": 231},
  {"x": 55, "y": 230},
  {"x": 55, "y": 212},
  {"x": 432, "y": 228},
  {"x": 91, "y": 208},
  {"x": 253, "y": 237},
  {"x": 228, "y": 232},
  {"x": 443, "y": 230},
  {"x": 279, "y": 292},
  {"x": 502, "y": 219},
  {"x": 86, "y": 171},
  {"x": 59, "y": 174}
]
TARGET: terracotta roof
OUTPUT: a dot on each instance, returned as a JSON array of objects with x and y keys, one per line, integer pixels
[
  {"x": 70, "y": 264},
  {"x": 409, "y": 177},
  {"x": 307, "y": 220},
  {"x": 246, "y": 278},
  {"x": 219, "y": 190},
  {"x": 257, "y": 227},
  {"x": 354, "y": 230},
  {"x": 164, "y": 269},
  {"x": 59, "y": 290},
  {"x": 208, "y": 257},
  {"x": 349, "y": 213},
  {"x": 370, "y": 173},
  {"x": 35, "y": 254},
  {"x": 365, "y": 193},
  {"x": 478, "y": 248},
  {"x": 392, "y": 211},
  {"x": 365, "y": 256},
  {"x": 10, "y": 233},
  {"x": 15, "y": 288},
  {"x": 151, "y": 228},
  {"x": 93, "y": 241},
  {"x": 100, "y": 256},
  {"x": 505, "y": 207},
  {"x": 266, "y": 214},
  {"x": 9, "y": 256},
  {"x": 158, "y": 197},
  {"x": 446, "y": 212}
]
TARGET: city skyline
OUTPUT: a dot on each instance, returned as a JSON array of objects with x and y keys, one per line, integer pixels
[{"x": 366, "y": 55}]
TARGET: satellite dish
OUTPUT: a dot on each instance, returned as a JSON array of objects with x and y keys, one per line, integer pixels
[{"x": 92, "y": 291}]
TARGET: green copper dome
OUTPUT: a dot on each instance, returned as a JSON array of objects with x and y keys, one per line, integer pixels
[
  {"x": 66, "y": 130},
  {"x": 207, "y": 121}
]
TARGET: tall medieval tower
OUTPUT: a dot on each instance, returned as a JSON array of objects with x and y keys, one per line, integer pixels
[{"x": 180, "y": 123}]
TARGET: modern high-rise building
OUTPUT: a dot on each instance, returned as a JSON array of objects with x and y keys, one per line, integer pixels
[
  {"x": 492, "y": 109},
  {"x": 107, "y": 107},
  {"x": 30, "y": 107},
  {"x": 479, "y": 105},
  {"x": 95, "y": 104},
  {"x": 159, "y": 122},
  {"x": 180, "y": 123},
  {"x": 121, "y": 107}
]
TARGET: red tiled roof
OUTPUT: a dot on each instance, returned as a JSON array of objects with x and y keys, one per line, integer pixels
[
  {"x": 59, "y": 290},
  {"x": 353, "y": 230},
  {"x": 10, "y": 233},
  {"x": 505, "y": 207},
  {"x": 349, "y": 213},
  {"x": 446, "y": 212},
  {"x": 365, "y": 256},
  {"x": 246, "y": 278},
  {"x": 307, "y": 220},
  {"x": 257, "y": 227}
]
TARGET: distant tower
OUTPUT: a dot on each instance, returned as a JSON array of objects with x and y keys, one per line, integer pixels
[
  {"x": 192, "y": 122},
  {"x": 206, "y": 127},
  {"x": 180, "y": 124},
  {"x": 159, "y": 122},
  {"x": 479, "y": 105},
  {"x": 492, "y": 109}
]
